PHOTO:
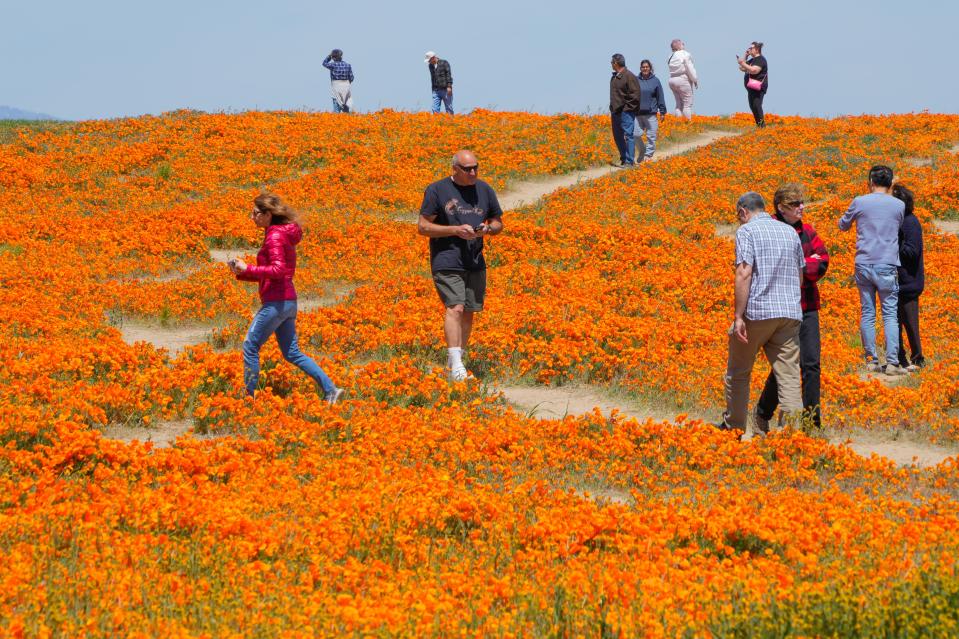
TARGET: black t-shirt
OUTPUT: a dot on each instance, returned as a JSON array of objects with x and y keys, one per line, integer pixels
[
  {"x": 762, "y": 76},
  {"x": 454, "y": 205}
]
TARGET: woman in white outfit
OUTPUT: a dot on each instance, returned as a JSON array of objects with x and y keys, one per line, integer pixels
[{"x": 682, "y": 79}]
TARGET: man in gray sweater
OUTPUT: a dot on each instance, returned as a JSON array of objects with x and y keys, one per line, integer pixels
[{"x": 878, "y": 216}]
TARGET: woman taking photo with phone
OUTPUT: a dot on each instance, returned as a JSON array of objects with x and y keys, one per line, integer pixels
[
  {"x": 274, "y": 269},
  {"x": 756, "y": 79}
]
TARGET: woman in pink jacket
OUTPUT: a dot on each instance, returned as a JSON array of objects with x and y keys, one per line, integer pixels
[{"x": 275, "y": 266}]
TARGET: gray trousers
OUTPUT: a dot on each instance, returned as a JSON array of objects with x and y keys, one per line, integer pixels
[{"x": 648, "y": 124}]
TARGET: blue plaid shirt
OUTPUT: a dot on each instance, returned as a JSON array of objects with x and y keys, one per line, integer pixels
[
  {"x": 339, "y": 70},
  {"x": 775, "y": 253}
]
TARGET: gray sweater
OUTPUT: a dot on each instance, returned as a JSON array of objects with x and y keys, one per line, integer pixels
[{"x": 878, "y": 217}]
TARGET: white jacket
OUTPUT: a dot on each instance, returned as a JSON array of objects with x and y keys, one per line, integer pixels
[{"x": 680, "y": 64}]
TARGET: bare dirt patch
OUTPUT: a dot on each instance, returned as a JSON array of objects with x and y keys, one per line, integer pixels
[
  {"x": 528, "y": 192},
  {"x": 558, "y": 402},
  {"x": 901, "y": 452},
  {"x": 334, "y": 295},
  {"x": 172, "y": 338},
  {"x": 225, "y": 255},
  {"x": 162, "y": 434},
  {"x": 726, "y": 230},
  {"x": 919, "y": 162},
  {"x": 947, "y": 226}
]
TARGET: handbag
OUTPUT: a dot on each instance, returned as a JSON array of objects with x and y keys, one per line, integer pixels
[{"x": 754, "y": 84}]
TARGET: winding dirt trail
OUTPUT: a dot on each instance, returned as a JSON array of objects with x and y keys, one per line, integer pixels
[
  {"x": 524, "y": 193},
  {"x": 558, "y": 402}
]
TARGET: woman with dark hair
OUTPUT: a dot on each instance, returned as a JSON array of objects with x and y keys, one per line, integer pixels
[
  {"x": 652, "y": 105},
  {"x": 912, "y": 279},
  {"x": 274, "y": 269},
  {"x": 756, "y": 79}
]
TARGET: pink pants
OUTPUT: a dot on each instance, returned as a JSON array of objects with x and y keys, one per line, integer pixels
[{"x": 683, "y": 92}]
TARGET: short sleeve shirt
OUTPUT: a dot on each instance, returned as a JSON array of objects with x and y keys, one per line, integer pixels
[
  {"x": 762, "y": 76},
  {"x": 455, "y": 205},
  {"x": 775, "y": 253}
]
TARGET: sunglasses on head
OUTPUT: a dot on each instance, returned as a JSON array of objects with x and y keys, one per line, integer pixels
[{"x": 473, "y": 168}]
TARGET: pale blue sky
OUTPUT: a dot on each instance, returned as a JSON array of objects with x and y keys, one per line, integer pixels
[{"x": 110, "y": 58}]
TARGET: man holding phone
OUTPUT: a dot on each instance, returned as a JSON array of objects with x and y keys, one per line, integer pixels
[{"x": 456, "y": 214}]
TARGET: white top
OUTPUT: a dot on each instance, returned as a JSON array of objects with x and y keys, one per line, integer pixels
[{"x": 681, "y": 63}]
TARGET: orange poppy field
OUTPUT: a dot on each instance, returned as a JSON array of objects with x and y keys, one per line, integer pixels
[{"x": 419, "y": 507}]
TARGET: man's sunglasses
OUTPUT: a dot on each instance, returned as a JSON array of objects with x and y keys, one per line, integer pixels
[{"x": 474, "y": 168}]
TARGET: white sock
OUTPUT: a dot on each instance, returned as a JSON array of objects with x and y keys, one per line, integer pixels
[{"x": 454, "y": 357}]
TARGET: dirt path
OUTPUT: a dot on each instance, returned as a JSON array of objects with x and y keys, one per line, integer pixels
[
  {"x": 558, "y": 402},
  {"x": 528, "y": 192},
  {"x": 174, "y": 339},
  {"x": 947, "y": 226}
]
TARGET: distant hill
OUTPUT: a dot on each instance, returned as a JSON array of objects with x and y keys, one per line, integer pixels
[{"x": 11, "y": 113}]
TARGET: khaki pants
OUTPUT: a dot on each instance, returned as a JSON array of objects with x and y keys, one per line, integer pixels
[{"x": 779, "y": 339}]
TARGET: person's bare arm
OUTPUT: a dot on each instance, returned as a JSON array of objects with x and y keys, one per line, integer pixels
[
  {"x": 744, "y": 277},
  {"x": 426, "y": 226}
]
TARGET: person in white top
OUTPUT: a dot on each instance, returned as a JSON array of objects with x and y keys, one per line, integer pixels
[{"x": 682, "y": 79}]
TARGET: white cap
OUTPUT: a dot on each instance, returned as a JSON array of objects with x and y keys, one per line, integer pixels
[{"x": 430, "y": 55}]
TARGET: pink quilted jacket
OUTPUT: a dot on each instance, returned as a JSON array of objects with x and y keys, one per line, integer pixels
[{"x": 275, "y": 263}]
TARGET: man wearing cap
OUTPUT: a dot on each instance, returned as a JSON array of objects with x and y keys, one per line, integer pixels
[
  {"x": 341, "y": 81},
  {"x": 441, "y": 77}
]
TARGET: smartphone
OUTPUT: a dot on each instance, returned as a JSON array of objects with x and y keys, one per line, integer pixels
[{"x": 477, "y": 229}]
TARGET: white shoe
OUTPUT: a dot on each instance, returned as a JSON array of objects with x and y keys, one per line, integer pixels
[{"x": 459, "y": 374}]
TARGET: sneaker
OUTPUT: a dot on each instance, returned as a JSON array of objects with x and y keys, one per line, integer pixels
[
  {"x": 873, "y": 366},
  {"x": 894, "y": 369},
  {"x": 762, "y": 424},
  {"x": 912, "y": 368},
  {"x": 459, "y": 374},
  {"x": 334, "y": 396}
]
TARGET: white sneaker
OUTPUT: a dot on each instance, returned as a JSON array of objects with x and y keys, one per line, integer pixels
[{"x": 459, "y": 374}]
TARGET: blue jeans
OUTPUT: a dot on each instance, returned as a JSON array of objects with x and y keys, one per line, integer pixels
[
  {"x": 623, "y": 135},
  {"x": 884, "y": 280},
  {"x": 444, "y": 97},
  {"x": 277, "y": 318},
  {"x": 649, "y": 124}
]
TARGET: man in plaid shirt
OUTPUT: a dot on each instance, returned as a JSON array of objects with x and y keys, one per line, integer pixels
[
  {"x": 769, "y": 273},
  {"x": 341, "y": 81},
  {"x": 789, "y": 203},
  {"x": 441, "y": 81}
]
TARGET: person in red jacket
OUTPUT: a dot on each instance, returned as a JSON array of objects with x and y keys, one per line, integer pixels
[
  {"x": 789, "y": 204},
  {"x": 274, "y": 269}
]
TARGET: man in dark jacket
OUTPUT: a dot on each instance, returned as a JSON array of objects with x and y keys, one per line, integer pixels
[
  {"x": 441, "y": 79},
  {"x": 912, "y": 280},
  {"x": 623, "y": 104}
]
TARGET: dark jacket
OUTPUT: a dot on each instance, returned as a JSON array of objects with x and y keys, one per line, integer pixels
[
  {"x": 623, "y": 92},
  {"x": 912, "y": 273},
  {"x": 441, "y": 75},
  {"x": 651, "y": 99}
]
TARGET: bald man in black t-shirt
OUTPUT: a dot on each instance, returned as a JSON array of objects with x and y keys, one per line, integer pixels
[{"x": 456, "y": 214}]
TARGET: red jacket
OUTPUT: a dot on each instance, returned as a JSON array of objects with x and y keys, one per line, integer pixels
[
  {"x": 275, "y": 263},
  {"x": 815, "y": 267}
]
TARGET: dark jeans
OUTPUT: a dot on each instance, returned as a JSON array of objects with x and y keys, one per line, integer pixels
[
  {"x": 623, "y": 123},
  {"x": 756, "y": 105},
  {"x": 809, "y": 352},
  {"x": 909, "y": 321}
]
